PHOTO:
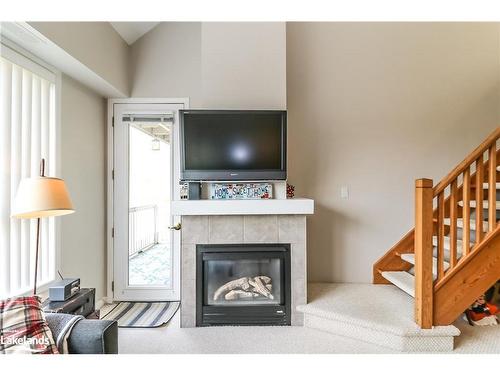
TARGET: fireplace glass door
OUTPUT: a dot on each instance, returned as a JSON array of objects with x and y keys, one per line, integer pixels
[
  {"x": 244, "y": 284},
  {"x": 243, "y": 281}
]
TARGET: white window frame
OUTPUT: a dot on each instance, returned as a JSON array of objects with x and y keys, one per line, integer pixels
[{"x": 20, "y": 56}]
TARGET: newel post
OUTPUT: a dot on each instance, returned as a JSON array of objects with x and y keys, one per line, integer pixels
[{"x": 423, "y": 253}]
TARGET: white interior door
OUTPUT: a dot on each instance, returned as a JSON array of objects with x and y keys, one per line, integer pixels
[{"x": 146, "y": 247}]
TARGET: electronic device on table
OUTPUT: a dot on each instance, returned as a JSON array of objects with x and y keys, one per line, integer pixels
[{"x": 64, "y": 289}]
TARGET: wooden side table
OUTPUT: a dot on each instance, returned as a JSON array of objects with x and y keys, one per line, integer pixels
[{"x": 81, "y": 303}]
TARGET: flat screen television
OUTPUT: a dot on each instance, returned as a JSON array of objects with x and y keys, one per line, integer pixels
[{"x": 232, "y": 145}]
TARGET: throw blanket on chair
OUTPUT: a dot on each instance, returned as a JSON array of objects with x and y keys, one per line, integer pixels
[{"x": 61, "y": 325}]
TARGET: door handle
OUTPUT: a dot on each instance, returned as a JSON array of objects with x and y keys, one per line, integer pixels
[{"x": 175, "y": 227}]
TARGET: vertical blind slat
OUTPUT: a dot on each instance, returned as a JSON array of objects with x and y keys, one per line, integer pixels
[
  {"x": 5, "y": 127},
  {"x": 15, "y": 166},
  {"x": 27, "y": 133},
  {"x": 26, "y": 172},
  {"x": 44, "y": 147},
  {"x": 35, "y": 165},
  {"x": 51, "y": 165},
  {"x": 52, "y": 132}
]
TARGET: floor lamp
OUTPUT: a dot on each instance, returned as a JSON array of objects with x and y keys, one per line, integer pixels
[{"x": 39, "y": 197}]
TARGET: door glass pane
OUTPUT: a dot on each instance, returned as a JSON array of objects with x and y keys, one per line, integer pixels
[{"x": 150, "y": 248}]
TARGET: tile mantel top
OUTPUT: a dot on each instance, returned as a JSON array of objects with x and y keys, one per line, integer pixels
[{"x": 295, "y": 206}]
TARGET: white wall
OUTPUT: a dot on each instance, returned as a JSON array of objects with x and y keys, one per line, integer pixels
[
  {"x": 243, "y": 65},
  {"x": 216, "y": 65},
  {"x": 373, "y": 106},
  {"x": 95, "y": 44},
  {"x": 166, "y": 62},
  {"x": 83, "y": 163}
]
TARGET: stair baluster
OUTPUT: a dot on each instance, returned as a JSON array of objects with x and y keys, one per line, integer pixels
[
  {"x": 453, "y": 223},
  {"x": 441, "y": 233},
  {"x": 466, "y": 212},
  {"x": 469, "y": 271},
  {"x": 479, "y": 198},
  {"x": 492, "y": 180}
]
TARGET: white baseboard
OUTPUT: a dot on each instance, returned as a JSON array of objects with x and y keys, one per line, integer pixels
[
  {"x": 108, "y": 299},
  {"x": 100, "y": 303}
]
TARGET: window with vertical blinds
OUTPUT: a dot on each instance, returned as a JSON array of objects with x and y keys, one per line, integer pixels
[{"x": 27, "y": 134}]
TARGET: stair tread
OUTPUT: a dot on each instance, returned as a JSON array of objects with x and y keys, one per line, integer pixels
[
  {"x": 379, "y": 308},
  {"x": 410, "y": 258},
  {"x": 402, "y": 279},
  {"x": 460, "y": 223},
  {"x": 486, "y": 185},
  {"x": 472, "y": 204},
  {"x": 447, "y": 243}
]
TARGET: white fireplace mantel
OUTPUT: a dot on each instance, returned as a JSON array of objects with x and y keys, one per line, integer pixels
[{"x": 294, "y": 206}]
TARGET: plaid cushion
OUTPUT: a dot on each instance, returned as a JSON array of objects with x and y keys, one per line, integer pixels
[{"x": 23, "y": 328}]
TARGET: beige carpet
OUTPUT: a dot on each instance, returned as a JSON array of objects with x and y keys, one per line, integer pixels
[
  {"x": 171, "y": 339},
  {"x": 477, "y": 339}
]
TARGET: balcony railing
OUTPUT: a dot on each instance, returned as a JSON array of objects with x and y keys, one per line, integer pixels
[{"x": 143, "y": 231}]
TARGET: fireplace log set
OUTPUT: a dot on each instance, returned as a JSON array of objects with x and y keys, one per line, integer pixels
[{"x": 245, "y": 287}]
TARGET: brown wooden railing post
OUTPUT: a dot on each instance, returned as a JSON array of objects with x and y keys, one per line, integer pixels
[
  {"x": 423, "y": 252},
  {"x": 492, "y": 192}
]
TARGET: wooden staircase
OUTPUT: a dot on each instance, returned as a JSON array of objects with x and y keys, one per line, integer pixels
[{"x": 453, "y": 254}]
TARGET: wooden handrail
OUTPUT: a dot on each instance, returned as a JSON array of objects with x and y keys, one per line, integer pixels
[
  {"x": 473, "y": 156},
  {"x": 463, "y": 193},
  {"x": 430, "y": 221},
  {"x": 437, "y": 212}
]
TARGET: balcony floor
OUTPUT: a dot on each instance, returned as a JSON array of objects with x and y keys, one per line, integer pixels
[{"x": 152, "y": 266}]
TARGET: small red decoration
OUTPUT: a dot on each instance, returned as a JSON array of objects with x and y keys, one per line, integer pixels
[
  {"x": 482, "y": 313},
  {"x": 290, "y": 191}
]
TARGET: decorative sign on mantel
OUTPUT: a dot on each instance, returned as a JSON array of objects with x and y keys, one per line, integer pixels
[{"x": 241, "y": 191}]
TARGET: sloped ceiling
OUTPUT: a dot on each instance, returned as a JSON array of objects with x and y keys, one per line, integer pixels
[{"x": 131, "y": 31}]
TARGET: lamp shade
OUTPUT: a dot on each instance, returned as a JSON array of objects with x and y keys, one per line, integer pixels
[{"x": 39, "y": 197}]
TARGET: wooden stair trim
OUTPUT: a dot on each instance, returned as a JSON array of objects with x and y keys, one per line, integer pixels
[
  {"x": 391, "y": 258},
  {"x": 470, "y": 278},
  {"x": 392, "y": 261},
  {"x": 473, "y": 156}
]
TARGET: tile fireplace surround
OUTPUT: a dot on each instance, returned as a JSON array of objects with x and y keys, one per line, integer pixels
[{"x": 242, "y": 229}]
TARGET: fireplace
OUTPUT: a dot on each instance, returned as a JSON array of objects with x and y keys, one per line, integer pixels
[{"x": 243, "y": 284}]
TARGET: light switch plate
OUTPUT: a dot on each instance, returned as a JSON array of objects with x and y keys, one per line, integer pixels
[{"x": 344, "y": 192}]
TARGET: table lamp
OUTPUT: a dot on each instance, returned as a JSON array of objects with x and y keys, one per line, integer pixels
[{"x": 39, "y": 197}]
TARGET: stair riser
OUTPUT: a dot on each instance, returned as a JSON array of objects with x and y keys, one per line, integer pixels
[
  {"x": 446, "y": 254},
  {"x": 411, "y": 271},
  {"x": 460, "y": 233},
  {"x": 486, "y": 214},
  {"x": 408, "y": 344},
  {"x": 485, "y": 196}
]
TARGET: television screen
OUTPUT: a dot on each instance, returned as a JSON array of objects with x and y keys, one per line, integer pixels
[{"x": 233, "y": 145}]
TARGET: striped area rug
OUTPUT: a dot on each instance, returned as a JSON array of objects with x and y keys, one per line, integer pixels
[{"x": 140, "y": 314}]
